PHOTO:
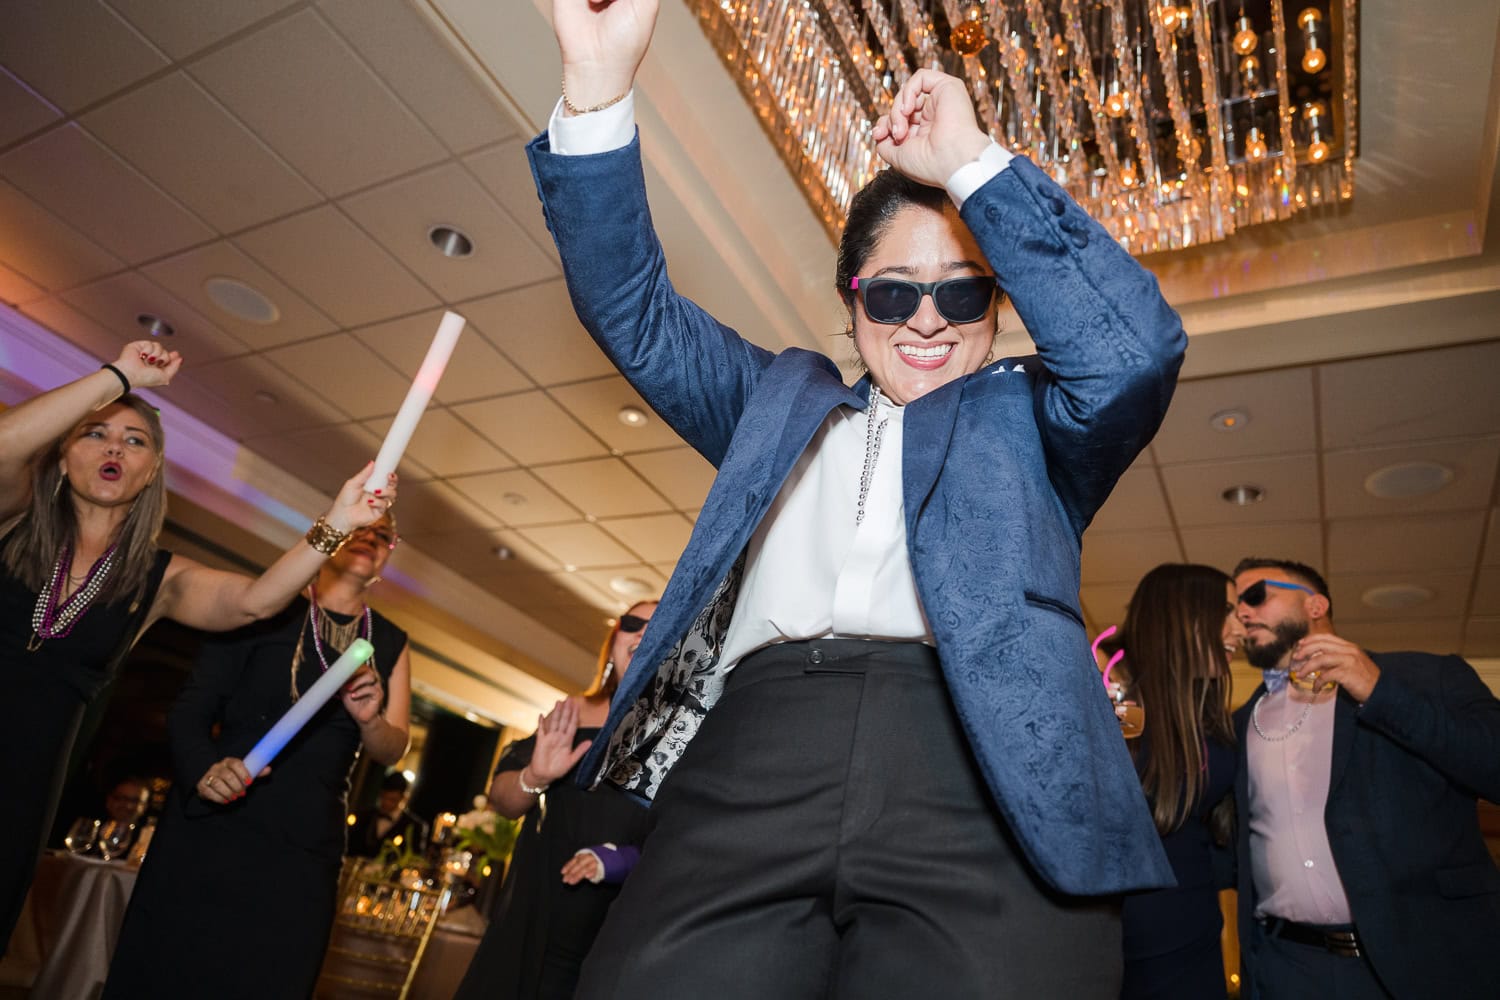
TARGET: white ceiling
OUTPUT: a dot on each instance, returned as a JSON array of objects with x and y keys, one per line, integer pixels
[{"x": 307, "y": 147}]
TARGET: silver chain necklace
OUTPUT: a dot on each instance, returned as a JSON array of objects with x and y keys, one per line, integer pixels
[
  {"x": 1255, "y": 721},
  {"x": 874, "y": 432}
]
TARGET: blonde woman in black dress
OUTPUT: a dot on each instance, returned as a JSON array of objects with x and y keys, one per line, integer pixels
[{"x": 82, "y": 501}]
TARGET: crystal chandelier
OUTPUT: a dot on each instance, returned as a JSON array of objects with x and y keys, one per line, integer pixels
[{"x": 1174, "y": 122}]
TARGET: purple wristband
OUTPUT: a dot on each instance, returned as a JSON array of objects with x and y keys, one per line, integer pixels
[{"x": 617, "y": 861}]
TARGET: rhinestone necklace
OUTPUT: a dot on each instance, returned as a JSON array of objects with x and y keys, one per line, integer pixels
[
  {"x": 874, "y": 432},
  {"x": 49, "y": 620},
  {"x": 325, "y": 629},
  {"x": 1255, "y": 721}
]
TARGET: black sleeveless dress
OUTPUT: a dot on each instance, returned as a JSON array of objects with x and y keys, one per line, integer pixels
[
  {"x": 238, "y": 900},
  {"x": 541, "y": 928},
  {"x": 46, "y": 693}
]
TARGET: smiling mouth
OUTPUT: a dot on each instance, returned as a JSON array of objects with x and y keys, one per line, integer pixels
[{"x": 925, "y": 356}]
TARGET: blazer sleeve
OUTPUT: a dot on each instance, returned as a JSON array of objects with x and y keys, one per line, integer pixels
[
  {"x": 190, "y": 724},
  {"x": 1110, "y": 345},
  {"x": 1453, "y": 724},
  {"x": 695, "y": 372}
]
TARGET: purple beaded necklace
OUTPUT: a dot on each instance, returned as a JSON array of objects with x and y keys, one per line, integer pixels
[
  {"x": 318, "y": 621},
  {"x": 51, "y": 620}
]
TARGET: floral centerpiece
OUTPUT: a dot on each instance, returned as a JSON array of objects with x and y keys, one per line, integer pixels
[{"x": 487, "y": 835}]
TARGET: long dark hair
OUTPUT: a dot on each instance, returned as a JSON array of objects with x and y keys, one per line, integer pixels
[
  {"x": 1173, "y": 645},
  {"x": 50, "y": 523}
]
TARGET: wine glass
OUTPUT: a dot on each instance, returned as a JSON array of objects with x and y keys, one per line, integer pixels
[
  {"x": 114, "y": 839},
  {"x": 81, "y": 835}
]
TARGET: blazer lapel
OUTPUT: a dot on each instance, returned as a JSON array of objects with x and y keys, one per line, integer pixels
[
  {"x": 927, "y": 430},
  {"x": 1344, "y": 725}
]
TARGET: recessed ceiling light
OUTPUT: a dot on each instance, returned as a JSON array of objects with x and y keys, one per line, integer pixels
[
  {"x": 450, "y": 242},
  {"x": 629, "y": 586},
  {"x": 1405, "y": 480},
  {"x": 1395, "y": 596},
  {"x": 632, "y": 416},
  {"x": 1243, "y": 495},
  {"x": 1230, "y": 420},
  {"x": 266, "y": 396},
  {"x": 155, "y": 325},
  {"x": 241, "y": 300},
  {"x": 570, "y": 568},
  {"x": 513, "y": 499},
  {"x": 504, "y": 552}
]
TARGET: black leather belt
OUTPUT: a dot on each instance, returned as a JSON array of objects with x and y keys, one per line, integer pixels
[{"x": 1341, "y": 941}]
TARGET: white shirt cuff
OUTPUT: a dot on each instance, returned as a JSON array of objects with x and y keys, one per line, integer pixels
[
  {"x": 973, "y": 175},
  {"x": 596, "y": 132}
]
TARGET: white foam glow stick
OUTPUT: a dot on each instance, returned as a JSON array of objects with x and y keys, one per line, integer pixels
[
  {"x": 417, "y": 397},
  {"x": 307, "y": 706}
]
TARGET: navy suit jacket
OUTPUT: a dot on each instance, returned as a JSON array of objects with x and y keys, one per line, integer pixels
[
  {"x": 1402, "y": 821},
  {"x": 1001, "y": 472}
]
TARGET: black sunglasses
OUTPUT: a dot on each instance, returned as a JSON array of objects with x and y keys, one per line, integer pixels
[
  {"x": 896, "y": 300},
  {"x": 632, "y": 623},
  {"x": 1255, "y": 595}
]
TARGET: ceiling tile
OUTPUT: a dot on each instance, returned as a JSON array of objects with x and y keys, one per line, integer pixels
[
  {"x": 340, "y": 269},
  {"x": 1105, "y": 603},
  {"x": 425, "y": 72},
  {"x": 665, "y": 569},
  {"x": 448, "y": 446},
  {"x": 1411, "y": 397},
  {"x": 1279, "y": 406},
  {"x": 506, "y": 174},
  {"x": 354, "y": 134},
  {"x": 344, "y": 371},
  {"x": 597, "y": 404},
  {"x": 1427, "y": 635},
  {"x": 656, "y": 538},
  {"x": 631, "y": 577},
  {"x": 1125, "y": 557},
  {"x": 524, "y": 557},
  {"x": 182, "y": 27},
  {"x": 185, "y": 141},
  {"x": 239, "y": 413},
  {"x": 530, "y": 427},
  {"x": 1450, "y": 591},
  {"x": 681, "y": 474},
  {"x": 323, "y": 457},
  {"x": 402, "y": 212},
  {"x": 471, "y": 554},
  {"x": 22, "y": 110},
  {"x": 1136, "y": 503},
  {"x": 1487, "y": 593},
  {"x": 437, "y": 508},
  {"x": 56, "y": 315},
  {"x": 1482, "y": 638},
  {"x": 516, "y": 497},
  {"x": 1473, "y": 462},
  {"x": 604, "y": 487},
  {"x": 1290, "y": 485},
  {"x": 45, "y": 249},
  {"x": 116, "y": 302},
  {"x": 79, "y": 180},
  {"x": 1492, "y": 543},
  {"x": 73, "y": 51},
  {"x": 536, "y": 328},
  {"x": 1224, "y": 547},
  {"x": 475, "y": 370},
  {"x": 16, "y": 288},
  {"x": 580, "y": 545},
  {"x": 1397, "y": 544},
  {"x": 186, "y": 273}
]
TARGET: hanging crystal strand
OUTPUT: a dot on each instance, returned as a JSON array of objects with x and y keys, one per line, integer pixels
[
  {"x": 1286, "y": 112},
  {"x": 1060, "y": 106},
  {"x": 1083, "y": 62}
]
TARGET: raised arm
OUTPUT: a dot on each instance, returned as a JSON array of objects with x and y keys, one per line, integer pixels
[
  {"x": 218, "y": 600},
  {"x": 1110, "y": 344},
  {"x": 31, "y": 426},
  {"x": 695, "y": 372}
]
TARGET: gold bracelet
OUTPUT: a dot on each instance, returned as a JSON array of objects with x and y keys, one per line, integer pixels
[
  {"x": 324, "y": 537},
  {"x": 575, "y": 109}
]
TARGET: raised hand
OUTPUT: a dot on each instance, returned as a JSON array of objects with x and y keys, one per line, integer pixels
[
  {"x": 146, "y": 363},
  {"x": 602, "y": 43},
  {"x": 554, "y": 754},
  {"x": 1324, "y": 659},
  {"x": 930, "y": 130},
  {"x": 353, "y": 508}
]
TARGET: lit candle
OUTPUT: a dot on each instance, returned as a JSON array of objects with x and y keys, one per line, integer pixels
[
  {"x": 417, "y": 397},
  {"x": 307, "y": 706}
]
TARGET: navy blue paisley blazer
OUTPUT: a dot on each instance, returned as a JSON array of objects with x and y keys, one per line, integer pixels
[{"x": 1001, "y": 471}]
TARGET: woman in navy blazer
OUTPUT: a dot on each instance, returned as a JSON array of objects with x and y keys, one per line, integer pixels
[{"x": 936, "y": 794}]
